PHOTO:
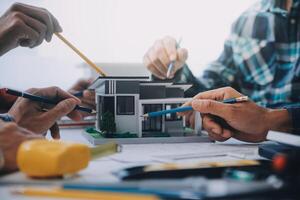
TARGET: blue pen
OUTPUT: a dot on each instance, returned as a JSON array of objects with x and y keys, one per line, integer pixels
[
  {"x": 172, "y": 63},
  {"x": 41, "y": 99},
  {"x": 190, "y": 108}
]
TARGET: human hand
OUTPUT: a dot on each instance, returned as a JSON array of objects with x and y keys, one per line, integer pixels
[
  {"x": 161, "y": 54},
  {"x": 26, "y": 26},
  {"x": 217, "y": 95},
  {"x": 39, "y": 117},
  {"x": 249, "y": 121},
  {"x": 6, "y": 101},
  {"x": 189, "y": 118},
  {"x": 11, "y": 136},
  {"x": 88, "y": 96}
]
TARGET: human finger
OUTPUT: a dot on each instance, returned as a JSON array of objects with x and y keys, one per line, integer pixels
[
  {"x": 41, "y": 14},
  {"x": 162, "y": 56},
  {"x": 211, "y": 126},
  {"x": 36, "y": 25},
  {"x": 170, "y": 46},
  {"x": 213, "y": 107},
  {"x": 156, "y": 62},
  {"x": 152, "y": 68},
  {"x": 54, "y": 130},
  {"x": 216, "y": 137},
  {"x": 63, "y": 108}
]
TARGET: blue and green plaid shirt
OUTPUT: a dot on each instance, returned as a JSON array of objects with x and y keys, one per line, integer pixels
[{"x": 260, "y": 57}]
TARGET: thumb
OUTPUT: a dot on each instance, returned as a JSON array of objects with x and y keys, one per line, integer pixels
[
  {"x": 212, "y": 107},
  {"x": 55, "y": 131},
  {"x": 34, "y": 137},
  {"x": 182, "y": 55},
  {"x": 61, "y": 109}
]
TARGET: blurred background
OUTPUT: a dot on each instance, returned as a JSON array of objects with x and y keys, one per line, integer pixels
[{"x": 118, "y": 31}]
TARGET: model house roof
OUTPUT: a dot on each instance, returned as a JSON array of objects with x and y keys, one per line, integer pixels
[
  {"x": 153, "y": 83},
  {"x": 142, "y": 78},
  {"x": 144, "y": 81},
  {"x": 183, "y": 86},
  {"x": 168, "y": 84},
  {"x": 101, "y": 80}
]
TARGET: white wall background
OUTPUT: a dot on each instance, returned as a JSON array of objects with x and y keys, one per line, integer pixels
[{"x": 118, "y": 31}]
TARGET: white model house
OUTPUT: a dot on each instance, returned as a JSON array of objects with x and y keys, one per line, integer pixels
[{"x": 128, "y": 98}]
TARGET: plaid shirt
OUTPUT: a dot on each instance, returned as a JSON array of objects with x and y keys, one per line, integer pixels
[{"x": 260, "y": 57}]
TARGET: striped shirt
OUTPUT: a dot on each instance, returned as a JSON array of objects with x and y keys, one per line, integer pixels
[{"x": 260, "y": 57}]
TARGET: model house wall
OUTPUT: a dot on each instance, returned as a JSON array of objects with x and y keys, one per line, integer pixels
[{"x": 127, "y": 98}]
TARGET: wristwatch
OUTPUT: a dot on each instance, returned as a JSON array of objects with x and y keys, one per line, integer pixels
[
  {"x": 7, "y": 117},
  {"x": 2, "y": 160}
]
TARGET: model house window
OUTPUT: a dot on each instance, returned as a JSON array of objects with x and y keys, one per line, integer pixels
[
  {"x": 152, "y": 124},
  {"x": 173, "y": 116},
  {"x": 125, "y": 105}
]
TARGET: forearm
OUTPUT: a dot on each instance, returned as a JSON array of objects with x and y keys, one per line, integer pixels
[
  {"x": 185, "y": 76},
  {"x": 215, "y": 76},
  {"x": 294, "y": 113}
]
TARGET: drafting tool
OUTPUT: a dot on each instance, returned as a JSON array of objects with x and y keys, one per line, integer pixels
[{"x": 78, "y": 52}]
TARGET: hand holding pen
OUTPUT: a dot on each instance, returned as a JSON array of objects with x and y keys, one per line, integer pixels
[
  {"x": 87, "y": 97},
  {"x": 39, "y": 109},
  {"x": 166, "y": 54}
]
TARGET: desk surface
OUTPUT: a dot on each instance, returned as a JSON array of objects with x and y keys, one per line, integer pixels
[{"x": 100, "y": 170}]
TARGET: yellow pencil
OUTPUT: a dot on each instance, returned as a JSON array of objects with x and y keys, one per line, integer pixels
[
  {"x": 88, "y": 61},
  {"x": 60, "y": 193}
]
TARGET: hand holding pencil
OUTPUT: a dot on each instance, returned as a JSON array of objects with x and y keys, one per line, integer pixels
[
  {"x": 245, "y": 118},
  {"x": 80, "y": 54}
]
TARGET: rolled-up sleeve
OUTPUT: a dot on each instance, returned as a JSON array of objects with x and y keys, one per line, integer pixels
[{"x": 295, "y": 115}]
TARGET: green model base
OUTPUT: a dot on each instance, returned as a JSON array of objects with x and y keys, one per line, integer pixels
[
  {"x": 98, "y": 134},
  {"x": 156, "y": 134}
]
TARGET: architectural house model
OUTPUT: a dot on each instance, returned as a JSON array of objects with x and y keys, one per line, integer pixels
[{"x": 128, "y": 98}]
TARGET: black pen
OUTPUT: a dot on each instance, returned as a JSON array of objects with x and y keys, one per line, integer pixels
[
  {"x": 42, "y": 99},
  {"x": 78, "y": 94}
]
